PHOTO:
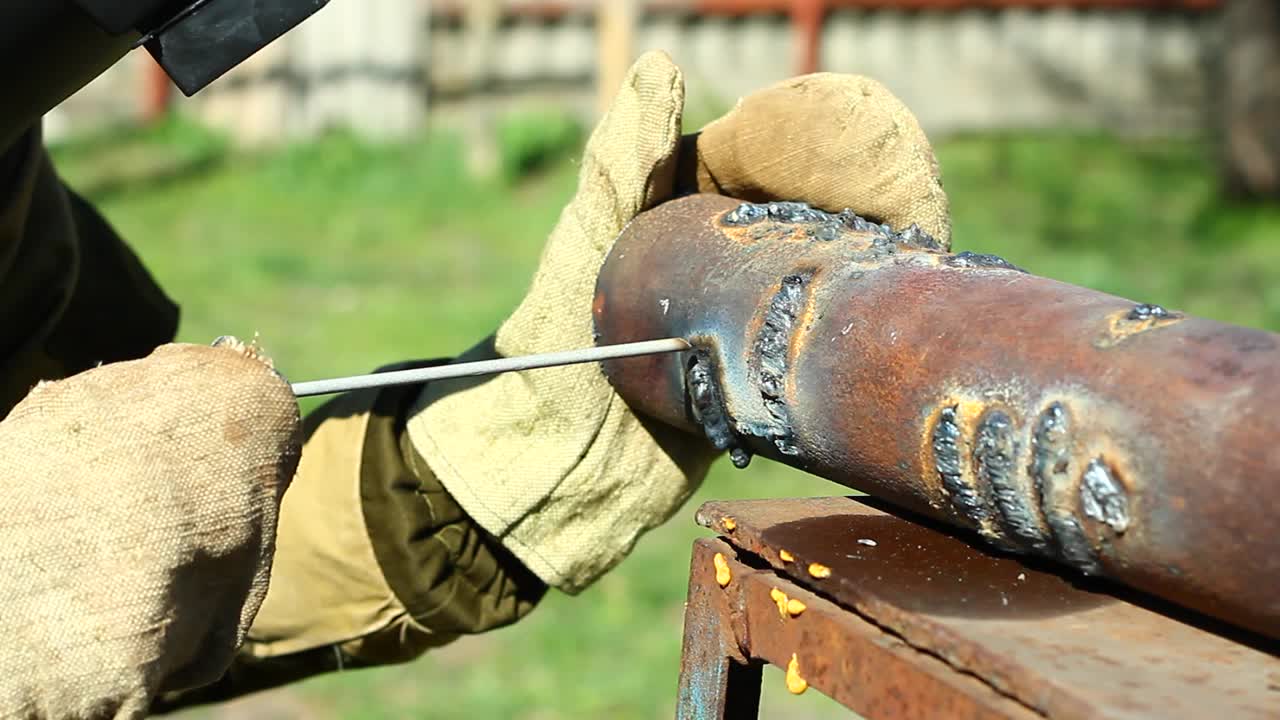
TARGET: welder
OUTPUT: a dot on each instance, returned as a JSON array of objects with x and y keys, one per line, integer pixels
[{"x": 146, "y": 504}]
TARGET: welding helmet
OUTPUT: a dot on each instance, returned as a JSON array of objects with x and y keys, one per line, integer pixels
[{"x": 51, "y": 48}]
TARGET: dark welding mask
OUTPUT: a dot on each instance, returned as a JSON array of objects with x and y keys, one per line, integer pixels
[{"x": 51, "y": 48}]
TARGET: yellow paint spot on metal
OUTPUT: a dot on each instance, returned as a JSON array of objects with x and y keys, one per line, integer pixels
[
  {"x": 819, "y": 570},
  {"x": 723, "y": 576},
  {"x": 780, "y": 598},
  {"x": 787, "y": 607},
  {"x": 795, "y": 683}
]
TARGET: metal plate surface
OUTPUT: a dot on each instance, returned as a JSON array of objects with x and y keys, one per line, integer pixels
[{"x": 1062, "y": 648}]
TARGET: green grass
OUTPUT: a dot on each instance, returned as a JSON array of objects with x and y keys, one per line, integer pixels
[
  {"x": 1140, "y": 220},
  {"x": 344, "y": 256}
]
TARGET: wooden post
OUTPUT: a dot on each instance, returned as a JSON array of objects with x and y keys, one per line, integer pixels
[
  {"x": 360, "y": 65},
  {"x": 253, "y": 101},
  {"x": 157, "y": 92},
  {"x": 1249, "y": 100},
  {"x": 615, "y": 46},
  {"x": 481, "y": 21}
]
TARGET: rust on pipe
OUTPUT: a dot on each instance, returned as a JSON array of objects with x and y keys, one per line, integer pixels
[
  {"x": 453, "y": 10},
  {"x": 1117, "y": 438}
]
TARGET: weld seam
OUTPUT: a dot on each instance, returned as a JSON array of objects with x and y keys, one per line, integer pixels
[{"x": 772, "y": 351}]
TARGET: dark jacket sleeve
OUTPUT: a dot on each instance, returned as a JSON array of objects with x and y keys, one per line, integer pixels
[{"x": 72, "y": 294}]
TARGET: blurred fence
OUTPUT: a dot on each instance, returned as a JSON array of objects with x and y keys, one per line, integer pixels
[{"x": 1128, "y": 66}]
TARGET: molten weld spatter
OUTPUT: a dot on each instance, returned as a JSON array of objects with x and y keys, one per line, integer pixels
[
  {"x": 1102, "y": 498},
  {"x": 968, "y": 259},
  {"x": 1148, "y": 311},
  {"x": 1121, "y": 325}
]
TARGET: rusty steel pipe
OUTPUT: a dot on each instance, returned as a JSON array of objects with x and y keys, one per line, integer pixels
[{"x": 1117, "y": 438}]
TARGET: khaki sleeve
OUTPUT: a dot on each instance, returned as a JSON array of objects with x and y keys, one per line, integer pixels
[
  {"x": 72, "y": 294},
  {"x": 375, "y": 563}
]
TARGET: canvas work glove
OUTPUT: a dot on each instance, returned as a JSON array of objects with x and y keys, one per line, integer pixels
[
  {"x": 139, "y": 525},
  {"x": 553, "y": 462},
  {"x": 834, "y": 141}
]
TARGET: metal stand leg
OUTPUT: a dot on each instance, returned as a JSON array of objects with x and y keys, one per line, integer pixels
[{"x": 717, "y": 680}]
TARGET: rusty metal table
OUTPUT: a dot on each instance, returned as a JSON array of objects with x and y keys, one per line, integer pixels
[{"x": 899, "y": 618}]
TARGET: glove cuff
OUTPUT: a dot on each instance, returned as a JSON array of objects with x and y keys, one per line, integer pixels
[{"x": 373, "y": 553}]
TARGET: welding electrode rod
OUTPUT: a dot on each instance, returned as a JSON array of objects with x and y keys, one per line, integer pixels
[{"x": 488, "y": 367}]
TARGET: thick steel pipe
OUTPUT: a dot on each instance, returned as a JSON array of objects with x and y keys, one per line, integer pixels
[{"x": 1117, "y": 438}]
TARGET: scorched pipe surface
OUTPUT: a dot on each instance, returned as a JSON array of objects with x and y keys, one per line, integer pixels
[{"x": 1118, "y": 438}]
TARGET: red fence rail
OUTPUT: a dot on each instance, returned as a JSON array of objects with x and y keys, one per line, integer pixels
[
  {"x": 555, "y": 8},
  {"x": 807, "y": 16}
]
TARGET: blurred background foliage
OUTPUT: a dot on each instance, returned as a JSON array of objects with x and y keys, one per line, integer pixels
[{"x": 342, "y": 255}]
